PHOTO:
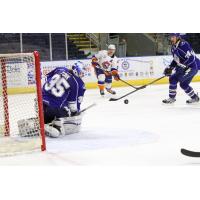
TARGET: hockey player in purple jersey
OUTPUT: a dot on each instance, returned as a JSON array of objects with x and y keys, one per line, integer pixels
[
  {"x": 63, "y": 92},
  {"x": 186, "y": 65}
]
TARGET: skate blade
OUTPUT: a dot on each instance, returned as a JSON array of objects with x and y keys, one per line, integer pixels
[
  {"x": 168, "y": 104},
  {"x": 193, "y": 104}
]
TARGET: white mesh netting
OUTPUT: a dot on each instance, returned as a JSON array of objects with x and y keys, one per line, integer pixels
[{"x": 19, "y": 119}]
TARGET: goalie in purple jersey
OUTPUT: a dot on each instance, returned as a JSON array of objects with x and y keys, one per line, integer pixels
[
  {"x": 63, "y": 92},
  {"x": 186, "y": 65}
]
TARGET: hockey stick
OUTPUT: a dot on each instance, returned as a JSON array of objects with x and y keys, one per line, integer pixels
[
  {"x": 139, "y": 88},
  {"x": 121, "y": 80},
  {"x": 190, "y": 153},
  {"x": 128, "y": 84},
  {"x": 92, "y": 105},
  {"x": 82, "y": 111}
]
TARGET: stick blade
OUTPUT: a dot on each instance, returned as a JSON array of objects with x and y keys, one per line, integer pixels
[
  {"x": 190, "y": 153},
  {"x": 113, "y": 99}
]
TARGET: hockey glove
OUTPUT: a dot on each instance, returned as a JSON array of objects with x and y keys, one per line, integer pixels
[
  {"x": 167, "y": 71},
  {"x": 94, "y": 62},
  {"x": 115, "y": 75},
  {"x": 74, "y": 114}
]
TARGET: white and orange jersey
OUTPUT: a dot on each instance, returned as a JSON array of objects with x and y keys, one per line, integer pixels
[{"x": 105, "y": 61}]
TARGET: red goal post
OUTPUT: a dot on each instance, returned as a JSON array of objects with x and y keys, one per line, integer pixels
[{"x": 21, "y": 113}]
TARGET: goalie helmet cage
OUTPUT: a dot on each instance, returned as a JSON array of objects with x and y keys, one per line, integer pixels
[{"x": 21, "y": 100}]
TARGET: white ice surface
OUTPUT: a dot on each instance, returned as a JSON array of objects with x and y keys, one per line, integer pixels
[{"x": 143, "y": 132}]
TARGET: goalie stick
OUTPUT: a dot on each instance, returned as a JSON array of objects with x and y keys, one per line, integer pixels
[
  {"x": 90, "y": 106},
  {"x": 190, "y": 153},
  {"x": 85, "y": 109},
  {"x": 139, "y": 88}
]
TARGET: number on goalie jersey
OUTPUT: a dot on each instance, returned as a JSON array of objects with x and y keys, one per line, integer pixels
[{"x": 63, "y": 92}]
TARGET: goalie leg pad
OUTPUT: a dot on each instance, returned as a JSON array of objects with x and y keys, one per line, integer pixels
[
  {"x": 69, "y": 125},
  {"x": 51, "y": 131}
]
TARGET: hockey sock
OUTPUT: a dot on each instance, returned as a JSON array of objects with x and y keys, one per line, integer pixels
[
  {"x": 190, "y": 92},
  {"x": 172, "y": 90}
]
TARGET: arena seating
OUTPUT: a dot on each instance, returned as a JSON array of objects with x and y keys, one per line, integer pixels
[
  {"x": 10, "y": 43},
  {"x": 192, "y": 38}
]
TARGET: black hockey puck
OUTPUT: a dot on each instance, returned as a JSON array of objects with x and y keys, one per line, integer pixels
[{"x": 126, "y": 101}]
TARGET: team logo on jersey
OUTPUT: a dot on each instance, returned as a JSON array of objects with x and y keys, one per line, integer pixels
[
  {"x": 106, "y": 64},
  {"x": 125, "y": 65}
]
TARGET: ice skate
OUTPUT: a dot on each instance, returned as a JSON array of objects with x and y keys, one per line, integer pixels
[
  {"x": 102, "y": 93},
  {"x": 169, "y": 101},
  {"x": 193, "y": 100},
  {"x": 111, "y": 91}
]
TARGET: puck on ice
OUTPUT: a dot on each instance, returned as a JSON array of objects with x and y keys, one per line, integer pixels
[{"x": 126, "y": 101}]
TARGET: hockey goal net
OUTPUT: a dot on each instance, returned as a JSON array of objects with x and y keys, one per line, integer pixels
[{"x": 21, "y": 112}]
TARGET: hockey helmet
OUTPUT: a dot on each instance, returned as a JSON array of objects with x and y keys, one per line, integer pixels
[{"x": 78, "y": 69}]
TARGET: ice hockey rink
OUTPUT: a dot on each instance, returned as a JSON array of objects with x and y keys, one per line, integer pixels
[{"x": 143, "y": 132}]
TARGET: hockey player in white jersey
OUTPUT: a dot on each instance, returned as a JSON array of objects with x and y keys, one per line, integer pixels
[{"x": 105, "y": 64}]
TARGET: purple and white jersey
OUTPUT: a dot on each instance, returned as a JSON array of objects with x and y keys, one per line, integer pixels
[
  {"x": 63, "y": 90},
  {"x": 184, "y": 56}
]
